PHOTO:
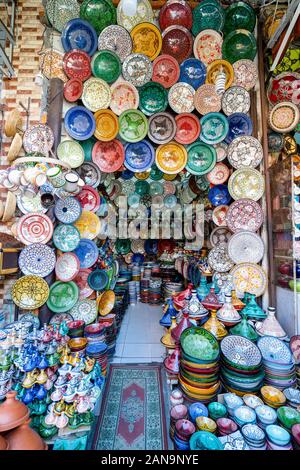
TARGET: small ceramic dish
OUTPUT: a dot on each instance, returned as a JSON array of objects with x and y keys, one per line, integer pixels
[
  {"x": 206, "y": 424},
  {"x": 278, "y": 435}
]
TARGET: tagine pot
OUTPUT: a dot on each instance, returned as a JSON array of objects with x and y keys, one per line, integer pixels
[
  {"x": 25, "y": 438},
  {"x": 244, "y": 329},
  {"x": 181, "y": 298},
  {"x": 170, "y": 311},
  {"x": 211, "y": 301},
  {"x": 203, "y": 289},
  {"x": 236, "y": 302},
  {"x": 182, "y": 325},
  {"x": 252, "y": 310},
  {"x": 12, "y": 412},
  {"x": 270, "y": 326},
  {"x": 172, "y": 362},
  {"x": 215, "y": 327},
  {"x": 227, "y": 314},
  {"x": 3, "y": 443}
]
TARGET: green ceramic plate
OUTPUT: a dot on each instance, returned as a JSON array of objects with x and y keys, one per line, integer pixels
[
  {"x": 199, "y": 343},
  {"x": 239, "y": 15},
  {"x": 87, "y": 146},
  {"x": 155, "y": 173},
  {"x": 208, "y": 15},
  {"x": 153, "y": 98},
  {"x": 99, "y": 13},
  {"x": 239, "y": 44},
  {"x": 66, "y": 237},
  {"x": 106, "y": 65},
  {"x": 156, "y": 188},
  {"x": 63, "y": 296},
  {"x": 133, "y": 125},
  {"x": 142, "y": 187},
  {"x": 123, "y": 246},
  {"x": 214, "y": 128},
  {"x": 201, "y": 158}
]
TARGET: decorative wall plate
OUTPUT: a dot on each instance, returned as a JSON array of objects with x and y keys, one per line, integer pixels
[
  {"x": 60, "y": 12},
  {"x": 221, "y": 149},
  {"x": 244, "y": 214},
  {"x": 220, "y": 235},
  {"x": 117, "y": 39},
  {"x": 284, "y": 117},
  {"x": 87, "y": 252},
  {"x": 28, "y": 204},
  {"x": 107, "y": 125},
  {"x": 161, "y": 128},
  {"x": 239, "y": 44},
  {"x": 67, "y": 267},
  {"x": 175, "y": 12},
  {"x": 139, "y": 156},
  {"x": 30, "y": 292},
  {"x": 73, "y": 90},
  {"x": 171, "y": 158},
  {"x": 79, "y": 34},
  {"x": 38, "y": 138},
  {"x": 99, "y": 13},
  {"x": 153, "y": 98},
  {"x": 219, "y": 194},
  {"x": 219, "y": 174},
  {"x": 137, "y": 69},
  {"x": 96, "y": 94},
  {"x": 79, "y": 122},
  {"x": 88, "y": 199},
  {"x": 106, "y": 65},
  {"x": 274, "y": 350},
  {"x": 108, "y": 156},
  {"x": 177, "y": 41},
  {"x": 193, "y": 72},
  {"x": 81, "y": 280},
  {"x": 214, "y": 128},
  {"x": 282, "y": 87},
  {"x": 239, "y": 15},
  {"x": 249, "y": 277},
  {"x": 215, "y": 68},
  {"x": 133, "y": 125},
  {"x": 146, "y": 40},
  {"x": 246, "y": 183},
  {"x": 90, "y": 173},
  {"x": 219, "y": 260},
  {"x": 34, "y": 228},
  {"x": 85, "y": 310},
  {"x": 58, "y": 318},
  {"x": 235, "y": 100},
  {"x": 219, "y": 215},
  {"x": 70, "y": 152},
  {"x": 88, "y": 225},
  {"x": 62, "y": 296},
  {"x": 187, "y": 128},
  {"x": 106, "y": 302},
  {"x": 246, "y": 247},
  {"x": 166, "y": 70},
  {"x": 143, "y": 13},
  {"x": 245, "y": 73},
  {"x": 208, "y": 15},
  {"x": 66, "y": 237},
  {"x": 239, "y": 124},
  {"x": 245, "y": 151},
  {"x": 201, "y": 158},
  {"x": 208, "y": 46},
  {"x": 207, "y": 100},
  {"x": 77, "y": 64},
  {"x": 51, "y": 64},
  {"x": 124, "y": 96},
  {"x": 37, "y": 259},
  {"x": 181, "y": 98}
]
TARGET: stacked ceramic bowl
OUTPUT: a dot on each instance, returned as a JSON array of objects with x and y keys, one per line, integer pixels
[
  {"x": 272, "y": 396},
  {"x": 177, "y": 412},
  {"x": 244, "y": 415},
  {"x": 292, "y": 396},
  {"x": 95, "y": 333},
  {"x": 76, "y": 328},
  {"x": 132, "y": 292},
  {"x": 278, "y": 438},
  {"x": 98, "y": 351},
  {"x": 288, "y": 417},
  {"x": 226, "y": 426},
  {"x": 203, "y": 423},
  {"x": 265, "y": 415},
  {"x": 254, "y": 436},
  {"x": 278, "y": 362},
  {"x": 145, "y": 290},
  {"x": 184, "y": 429},
  {"x": 199, "y": 369},
  {"x": 155, "y": 291},
  {"x": 241, "y": 365}
]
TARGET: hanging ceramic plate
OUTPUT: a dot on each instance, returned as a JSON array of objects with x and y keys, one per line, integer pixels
[
  {"x": 30, "y": 292},
  {"x": 208, "y": 15},
  {"x": 219, "y": 215},
  {"x": 142, "y": 188},
  {"x": 70, "y": 152},
  {"x": 235, "y": 100},
  {"x": 124, "y": 96},
  {"x": 107, "y": 125},
  {"x": 220, "y": 235},
  {"x": 73, "y": 90},
  {"x": 85, "y": 310},
  {"x": 201, "y": 158},
  {"x": 138, "y": 246},
  {"x": 219, "y": 194},
  {"x": 68, "y": 210},
  {"x": 79, "y": 34},
  {"x": 281, "y": 87},
  {"x": 181, "y": 98},
  {"x": 51, "y": 64},
  {"x": 37, "y": 259},
  {"x": 143, "y": 13},
  {"x": 208, "y": 46},
  {"x": 90, "y": 173},
  {"x": 139, "y": 156},
  {"x": 219, "y": 174},
  {"x": 161, "y": 128},
  {"x": 38, "y": 138},
  {"x": 108, "y": 156},
  {"x": 96, "y": 94},
  {"x": 133, "y": 125},
  {"x": 67, "y": 267},
  {"x": 239, "y": 15},
  {"x": 187, "y": 128},
  {"x": 34, "y": 228},
  {"x": 244, "y": 214},
  {"x": 214, "y": 128},
  {"x": 249, "y": 277},
  {"x": 79, "y": 123},
  {"x": 137, "y": 69},
  {"x": 245, "y": 151},
  {"x": 215, "y": 68},
  {"x": 117, "y": 39},
  {"x": 28, "y": 204},
  {"x": 166, "y": 70},
  {"x": 246, "y": 247},
  {"x": 207, "y": 100},
  {"x": 123, "y": 246},
  {"x": 88, "y": 225},
  {"x": 284, "y": 117},
  {"x": 98, "y": 279},
  {"x": 81, "y": 280},
  {"x": 99, "y": 13},
  {"x": 175, "y": 13},
  {"x": 193, "y": 72},
  {"x": 171, "y": 158},
  {"x": 239, "y": 44},
  {"x": 106, "y": 302},
  {"x": 246, "y": 183},
  {"x": 88, "y": 199},
  {"x": 77, "y": 64},
  {"x": 221, "y": 149},
  {"x": 156, "y": 188},
  {"x": 146, "y": 40},
  {"x": 219, "y": 260},
  {"x": 106, "y": 65},
  {"x": 66, "y": 237},
  {"x": 58, "y": 318},
  {"x": 239, "y": 124},
  {"x": 87, "y": 252},
  {"x": 62, "y": 296},
  {"x": 153, "y": 98},
  {"x": 177, "y": 41},
  {"x": 245, "y": 74},
  {"x": 60, "y": 12}
]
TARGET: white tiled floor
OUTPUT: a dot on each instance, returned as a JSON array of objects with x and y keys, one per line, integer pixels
[{"x": 139, "y": 337}]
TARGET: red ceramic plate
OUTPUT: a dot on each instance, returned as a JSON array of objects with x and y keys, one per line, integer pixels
[
  {"x": 73, "y": 90},
  {"x": 188, "y": 128},
  {"x": 77, "y": 64},
  {"x": 108, "y": 156},
  {"x": 81, "y": 281},
  {"x": 219, "y": 174},
  {"x": 282, "y": 87},
  {"x": 177, "y": 41},
  {"x": 166, "y": 245},
  {"x": 89, "y": 199},
  {"x": 165, "y": 70},
  {"x": 175, "y": 12},
  {"x": 34, "y": 228},
  {"x": 67, "y": 267}
]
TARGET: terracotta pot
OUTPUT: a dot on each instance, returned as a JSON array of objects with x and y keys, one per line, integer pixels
[
  {"x": 12, "y": 412},
  {"x": 25, "y": 438},
  {"x": 3, "y": 443}
]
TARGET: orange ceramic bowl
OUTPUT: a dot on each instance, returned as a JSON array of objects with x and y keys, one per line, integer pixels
[{"x": 77, "y": 344}]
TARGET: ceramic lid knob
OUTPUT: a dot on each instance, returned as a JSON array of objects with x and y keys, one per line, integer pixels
[{"x": 12, "y": 412}]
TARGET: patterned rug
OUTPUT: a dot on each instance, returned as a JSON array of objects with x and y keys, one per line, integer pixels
[{"x": 132, "y": 415}]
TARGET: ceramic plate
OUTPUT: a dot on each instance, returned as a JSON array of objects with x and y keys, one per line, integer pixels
[
  {"x": 90, "y": 173},
  {"x": 139, "y": 156},
  {"x": 208, "y": 15},
  {"x": 60, "y": 12},
  {"x": 88, "y": 199},
  {"x": 99, "y": 13},
  {"x": 239, "y": 124},
  {"x": 87, "y": 252},
  {"x": 201, "y": 158},
  {"x": 246, "y": 247},
  {"x": 208, "y": 46},
  {"x": 66, "y": 237},
  {"x": 181, "y": 98},
  {"x": 133, "y": 125},
  {"x": 77, "y": 64},
  {"x": 30, "y": 292},
  {"x": 62, "y": 296},
  {"x": 282, "y": 87},
  {"x": 219, "y": 215},
  {"x": 117, "y": 39},
  {"x": 108, "y": 156},
  {"x": 244, "y": 214},
  {"x": 51, "y": 64},
  {"x": 219, "y": 260},
  {"x": 207, "y": 100},
  {"x": 245, "y": 151},
  {"x": 220, "y": 235},
  {"x": 219, "y": 194},
  {"x": 284, "y": 117},
  {"x": 81, "y": 280},
  {"x": 240, "y": 351},
  {"x": 274, "y": 350},
  {"x": 177, "y": 41},
  {"x": 137, "y": 69},
  {"x": 239, "y": 44},
  {"x": 215, "y": 68},
  {"x": 219, "y": 174},
  {"x": 96, "y": 94},
  {"x": 85, "y": 310},
  {"x": 38, "y": 138},
  {"x": 165, "y": 70},
  {"x": 146, "y": 40},
  {"x": 249, "y": 277},
  {"x": 143, "y": 13},
  {"x": 246, "y": 183},
  {"x": 245, "y": 74},
  {"x": 80, "y": 124},
  {"x": 221, "y": 149},
  {"x": 239, "y": 15},
  {"x": 37, "y": 259},
  {"x": 171, "y": 158},
  {"x": 193, "y": 72},
  {"x": 175, "y": 13},
  {"x": 34, "y": 228},
  {"x": 107, "y": 125},
  {"x": 187, "y": 128},
  {"x": 214, "y": 128},
  {"x": 161, "y": 128},
  {"x": 106, "y": 65},
  {"x": 124, "y": 96},
  {"x": 98, "y": 279},
  {"x": 58, "y": 318},
  {"x": 88, "y": 225},
  {"x": 70, "y": 152},
  {"x": 73, "y": 90},
  {"x": 67, "y": 267},
  {"x": 79, "y": 34},
  {"x": 153, "y": 98},
  {"x": 235, "y": 100}
]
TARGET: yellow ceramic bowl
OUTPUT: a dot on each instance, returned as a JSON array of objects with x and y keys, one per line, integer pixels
[
  {"x": 106, "y": 302},
  {"x": 77, "y": 344},
  {"x": 272, "y": 395},
  {"x": 171, "y": 158},
  {"x": 215, "y": 68},
  {"x": 107, "y": 125},
  {"x": 199, "y": 390},
  {"x": 206, "y": 424}
]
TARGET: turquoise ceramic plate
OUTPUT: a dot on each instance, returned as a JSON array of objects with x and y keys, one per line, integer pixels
[
  {"x": 214, "y": 128},
  {"x": 98, "y": 279},
  {"x": 201, "y": 158},
  {"x": 153, "y": 98},
  {"x": 66, "y": 237},
  {"x": 204, "y": 440}
]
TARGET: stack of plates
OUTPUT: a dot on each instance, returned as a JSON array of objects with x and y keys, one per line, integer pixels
[
  {"x": 265, "y": 415},
  {"x": 132, "y": 292},
  {"x": 170, "y": 288},
  {"x": 292, "y": 396},
  {"x": 254, "y": 436},
  {"x": 272, "y": 396},
  {"x": 278, "y": 362},
  {"x": 241, "y": 365},
  {"x": 199, "y": 369},
  {"x": 184, "y": 429},
  {"x": 95, "y": 333},
  {"x": 155, "y": 291},
  {"x": 145, "y": 290},
  {"x": 177, "y": 412},
  {"x": 99, "y": 352}
]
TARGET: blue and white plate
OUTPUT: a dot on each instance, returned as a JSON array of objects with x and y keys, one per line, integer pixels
[
  {"x": 87, "y": 253},
  {"x": 139, "y": 156},
  {"x": 79, "y": 34},
  {"x": 274, "y": 350},
  {"x": 219, "y": 195},
  {"x": 37, "y": 259},
  {"x": 80, "y": 123},
  {"x": 193, "y": 72},
  {"x": 30, "y": 317},
  {"x": 239, "y": 124},
  {"x": 68, "y": 210}
]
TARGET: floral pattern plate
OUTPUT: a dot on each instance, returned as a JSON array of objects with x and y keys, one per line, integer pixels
[
  {"x": 81, "y": 280},
  {"x": 245, "y": 73},
  {"x": 246, "y": 247},
  {"x": 67, "y": 210},
  {"x": 282, "y": 87},
  {"x": 88, "y": 199},
  {"x": 85, "y": 310},
  {"x": 66, "y": 237},
  {"x": 77, "y": 64},
  {"x": 51, "y": 65},
  {"x": 219, "y": 174},
  {"x": 30, "y": 292},
  {"x": 34, "y": 228},
  {"x": 235, "y": 100},
  {"x": 249, "y": 277},
  {"x": 67, "y": 267},
  {"x": 133, "y": 125},
  {"x": 143, "y": 13},
  {"x": 139, "y": 156},
  {"x": 137, "y": 69},
  {"x": 244, "y": 214},
  {"x": 38, "y": 138},
  {"x": 181, "y": 98},
  {"x": 208, "y": 46},
  {"x": 37, "y": 259},
  {"x": 117, "y": 39},
  {"x": 220, "y": 235},
  {"x": 207, "y": 100},
  {"x": 240, "y": 351},
  {"x": 146, "y": 40},
  {"x": 88, "y": 225},
  {"x": 96, "y": 94},
  {"x": 214, "y": 128},
  {"x": 59, "y": 12},
  {"x": 221, "y": 149},
  {"x": 219, "y": 260},
  {"x": 246, "y": 183},
  {"x": 245, "y": 151},
  {"x": 124, "y": 96},
  {"x": 62, "y": 296},
  {"x": 166, "y": 70},
  {"x": 284, "y": 117},
  {"x": 219, "y": 215}
]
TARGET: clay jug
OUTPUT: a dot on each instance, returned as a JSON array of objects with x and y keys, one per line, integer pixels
[{"x": 25, "y": 438}]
